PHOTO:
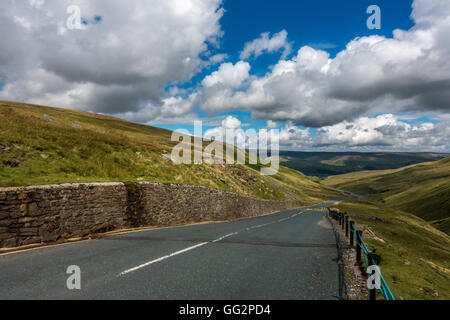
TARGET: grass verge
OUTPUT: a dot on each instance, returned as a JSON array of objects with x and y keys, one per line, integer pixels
[{"x": 415, "y": 256}]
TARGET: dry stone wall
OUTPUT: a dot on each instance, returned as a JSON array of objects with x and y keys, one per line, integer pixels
[{"x": 38, "y": 214}]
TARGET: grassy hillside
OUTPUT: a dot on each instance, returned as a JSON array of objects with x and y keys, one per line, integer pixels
[
  {"x": 415, "y": 257},
  {"x": 422, "y": 189},
  {"x": 324, "y": 164},
  {"x": 75, "y": 146}
]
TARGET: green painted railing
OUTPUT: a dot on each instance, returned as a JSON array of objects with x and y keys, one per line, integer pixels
[{"x": 370, "y": 257}]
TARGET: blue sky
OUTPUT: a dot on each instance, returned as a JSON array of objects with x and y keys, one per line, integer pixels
[
  {"x": 308, "y": 22},
  {"x": 321, "y": 24}
]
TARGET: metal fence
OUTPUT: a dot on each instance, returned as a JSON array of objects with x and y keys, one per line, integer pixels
[{"x": 371, "y": 259}]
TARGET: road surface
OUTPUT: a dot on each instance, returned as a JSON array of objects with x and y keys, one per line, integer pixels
[{"x": 290, "y": 255}]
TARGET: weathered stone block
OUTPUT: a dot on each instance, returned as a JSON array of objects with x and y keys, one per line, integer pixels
[
  {"x": 9, "y": 243},
  {"x": 16, "y": 213},
  {"x": 33, "y": 209},
  {"x": 26, "y": 219},
  {"x": 31, "y": 240},
  {"x": 49, "y": 237},
  {"x": 22, "y": 196},
  {"x": 7, "y": 222},
  {"x": 3, "y": 230},
  {"x": 28, "y": 231},
  {"x": 11, "y": 196}
]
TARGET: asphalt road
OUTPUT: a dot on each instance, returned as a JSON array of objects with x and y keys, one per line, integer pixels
[{"x": 290, "y": 255}]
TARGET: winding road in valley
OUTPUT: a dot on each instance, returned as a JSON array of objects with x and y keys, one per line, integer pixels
[{"x": 288, "y": 255}]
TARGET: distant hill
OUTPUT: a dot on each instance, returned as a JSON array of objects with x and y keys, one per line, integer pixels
[
  {"x": 421, "y": 189},
  {"x": 324, "y": 164},
  {"x": 45, "y": 145}
]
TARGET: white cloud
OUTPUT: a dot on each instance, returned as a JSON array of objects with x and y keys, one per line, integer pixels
[
  {"x": 385, "y": 132},
  {"x": 272, "y": 124},
  {"x": 268, "y": 44},
  {"x": 230, "y": 127},
  {"x": 228, "y": 75},
  {"x": 231, "y": 122},
  {"x": 23, "y": 22},
  {"x": 218, "y": 58},
  {"x": 231, "y": 131},
  {"x": 361, "y": 132},
  {"x": 117, "y": 65},
  {"x": 294, "y": 138},
  {"x": 36, "y": 3},
  {"x": 406, "y": 73}
]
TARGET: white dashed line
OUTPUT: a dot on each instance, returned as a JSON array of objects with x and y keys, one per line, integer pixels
[
  {"x": 162, "y": 258},
  {"x": 173, "y": 254},
  {"x": 228, "y": 235},
  {"x": 200, "y": 245}
]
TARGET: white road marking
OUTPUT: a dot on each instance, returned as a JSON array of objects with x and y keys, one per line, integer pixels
[
  {"x": 200, "y": 245},
  {"x": 228, "y": 235},
  {"x": 173, "y": 254},
  {"x": 162, "y": 258}
]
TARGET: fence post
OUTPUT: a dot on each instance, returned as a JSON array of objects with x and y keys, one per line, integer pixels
[
  {"x": 352, "y": 229},
  {"x": 358, "y": 245},
  {"x": 346, "y": 226},
  {"x": 372, "y": 257}
]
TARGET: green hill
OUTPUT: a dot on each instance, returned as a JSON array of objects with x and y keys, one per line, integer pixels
[
  {"x": 324, "y": 164},
  {"x": 45, "y": 145},
  {"x": 422, "y": 189}
]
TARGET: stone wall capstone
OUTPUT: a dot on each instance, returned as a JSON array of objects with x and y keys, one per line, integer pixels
[{"x": 39, "y": 214}]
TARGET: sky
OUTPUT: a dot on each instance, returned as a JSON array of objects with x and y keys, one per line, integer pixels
[{"x": 312, "y": 69}]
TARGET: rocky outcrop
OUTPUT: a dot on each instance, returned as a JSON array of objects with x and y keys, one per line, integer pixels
[{"x": 37, "y": 214}]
